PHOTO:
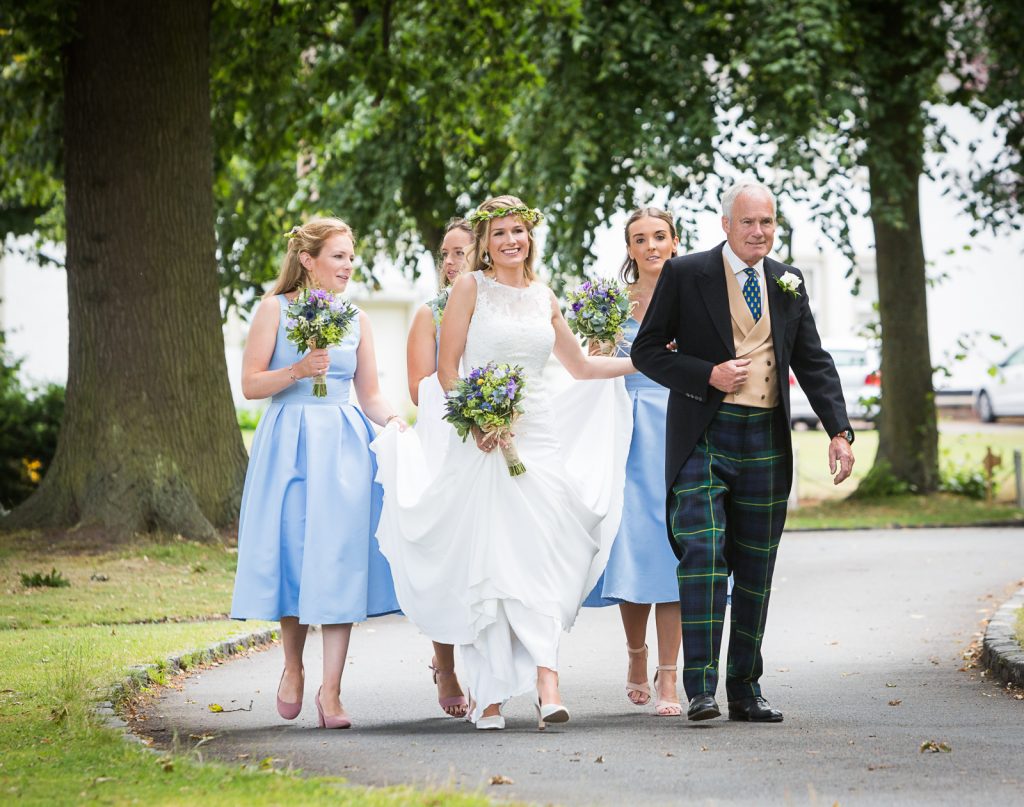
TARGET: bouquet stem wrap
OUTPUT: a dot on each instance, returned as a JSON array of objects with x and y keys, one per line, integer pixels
[
  {"x": 503, "y": 434},
  {"x": 319, "y": 381},
  {"x": 607, "y": 347}
]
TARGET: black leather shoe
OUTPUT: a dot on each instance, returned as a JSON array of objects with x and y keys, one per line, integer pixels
[
  {"x": 754, "y": 710},
  {"x": 703, "y": 707}
]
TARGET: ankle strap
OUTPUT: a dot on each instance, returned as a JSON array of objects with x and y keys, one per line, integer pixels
[
  {"x": 668, "y": 667},
  {"x": 636, "y": 651}
]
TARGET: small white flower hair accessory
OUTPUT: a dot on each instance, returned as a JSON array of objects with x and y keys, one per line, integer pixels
[{"x": 789, "y": 283}]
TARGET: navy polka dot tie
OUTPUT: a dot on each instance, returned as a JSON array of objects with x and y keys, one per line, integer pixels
[{"x": 752, "y": 293}]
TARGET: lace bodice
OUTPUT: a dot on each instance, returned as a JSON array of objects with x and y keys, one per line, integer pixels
[{"x": 511, "y": 325}]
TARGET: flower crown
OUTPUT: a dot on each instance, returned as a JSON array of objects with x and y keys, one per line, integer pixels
[
  {"x": 294, "y": 231},
  {"x": 530, "y": 214}
]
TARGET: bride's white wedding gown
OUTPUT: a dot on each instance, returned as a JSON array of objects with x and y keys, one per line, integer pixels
[{"x": 495, "y": 564}]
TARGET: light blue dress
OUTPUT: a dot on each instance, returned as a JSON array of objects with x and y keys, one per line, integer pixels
[
  {"x": 310, "y": 507},
  {"x": 641, "y": 567}
]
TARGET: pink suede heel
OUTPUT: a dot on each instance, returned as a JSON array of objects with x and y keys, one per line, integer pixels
[
  {"x": 341, "y": 721},
  {"x": 289, "y": 711}
]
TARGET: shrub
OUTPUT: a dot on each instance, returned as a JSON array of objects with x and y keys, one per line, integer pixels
[
  {"x": 29, "y": 422},
  {"x": 880, "y": 482},
  {"x": 965, "y": 481},
  {"x": 39, "y": 580},
  {"x": 248, "y": 419}
]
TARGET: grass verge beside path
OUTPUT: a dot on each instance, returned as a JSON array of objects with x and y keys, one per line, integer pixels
[
  {"x": 937, "y": 510},
  {"x": 956, "y": 450},
  {"x": 1020, "y": 627},
  {"x": 63, "y": 649}
]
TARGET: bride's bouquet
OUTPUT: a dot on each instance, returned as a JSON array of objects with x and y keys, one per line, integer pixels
[
  {"x": 489, "y": 398},
  {"x": 597, "y": 311},
  {"x": 318, "y": 319}
]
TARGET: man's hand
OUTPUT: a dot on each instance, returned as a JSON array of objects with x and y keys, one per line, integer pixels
[
  {"x": 729, "y": 376},
  {"x": 840, "y": 454}
]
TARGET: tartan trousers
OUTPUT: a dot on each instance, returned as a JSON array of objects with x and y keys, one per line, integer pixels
[{"x": 727, "y": 509}]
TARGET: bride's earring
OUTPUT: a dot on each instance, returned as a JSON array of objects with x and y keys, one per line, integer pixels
[{"x": 487, "y": 258}]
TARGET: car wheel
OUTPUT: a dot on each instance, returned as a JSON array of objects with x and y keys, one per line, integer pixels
[{"x": 985, "y": 412}]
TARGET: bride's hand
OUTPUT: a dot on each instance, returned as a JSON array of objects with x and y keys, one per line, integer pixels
[
  {"x": 488, "y": 441},
  {"x": 485, "y": 441}
]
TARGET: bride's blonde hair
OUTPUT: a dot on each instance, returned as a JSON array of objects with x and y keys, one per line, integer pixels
[{"x": 479, "y": 259}]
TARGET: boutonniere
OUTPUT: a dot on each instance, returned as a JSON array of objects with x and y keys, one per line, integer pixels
[{"x": 789, "y": 283}]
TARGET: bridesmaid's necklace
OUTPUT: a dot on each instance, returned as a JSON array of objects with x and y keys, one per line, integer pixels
[{"x": 641, "y": 295}]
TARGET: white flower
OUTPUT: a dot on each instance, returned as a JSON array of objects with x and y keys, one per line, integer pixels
[{"x": 789, "y": 283}]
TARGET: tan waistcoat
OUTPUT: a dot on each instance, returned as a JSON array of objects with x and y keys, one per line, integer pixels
[{"x": 753, "y": 341}]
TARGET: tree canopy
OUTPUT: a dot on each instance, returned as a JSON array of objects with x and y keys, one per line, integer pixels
[{"x": 399, "y": 115}]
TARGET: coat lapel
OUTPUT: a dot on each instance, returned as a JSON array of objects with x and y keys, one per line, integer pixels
[
  {"x": 716, "y": 297},
  {"x": 776, "y": 302}
]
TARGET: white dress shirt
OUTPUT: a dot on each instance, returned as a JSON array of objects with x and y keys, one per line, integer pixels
[{"x": 740, "y": 269}]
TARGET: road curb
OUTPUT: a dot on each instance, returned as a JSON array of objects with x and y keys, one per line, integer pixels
[
  {"x": 1001, "y": 653},
  {"x": 144, "y": 675}
]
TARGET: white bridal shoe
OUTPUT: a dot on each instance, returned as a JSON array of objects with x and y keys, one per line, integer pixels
[
  {"x": 492, "y": 723},
  {"x": 552, "y": 713}
]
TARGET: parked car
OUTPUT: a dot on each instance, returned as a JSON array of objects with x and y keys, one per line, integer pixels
[
  {"x": 857, "y": 365},
  {"x": 1002, "y": 394}
]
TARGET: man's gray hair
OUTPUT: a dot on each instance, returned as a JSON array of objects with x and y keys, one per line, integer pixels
[{"x": 733, "y": 192}]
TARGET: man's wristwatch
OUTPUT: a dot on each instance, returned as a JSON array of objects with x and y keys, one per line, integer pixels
[{"x": 847, "y": 435}]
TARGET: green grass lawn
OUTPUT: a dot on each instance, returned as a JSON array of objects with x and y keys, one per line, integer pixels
[
  {"x": 955, "y": 449},
  {"x": 936, "y": 510},
  {"x": 61, "y": 649},
  {"x": 824, "y": 505},
  {"x": 1020, "y": 626}
]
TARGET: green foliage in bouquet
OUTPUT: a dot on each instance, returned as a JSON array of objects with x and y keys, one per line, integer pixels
[
  {"x": 597, "y": 310},
  {"x": 489, "y": 398}
]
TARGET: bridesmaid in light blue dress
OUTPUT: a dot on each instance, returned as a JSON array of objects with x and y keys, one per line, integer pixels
[
  {"x": 641, "y": 569},
  {"x": 306, "y": 547}
]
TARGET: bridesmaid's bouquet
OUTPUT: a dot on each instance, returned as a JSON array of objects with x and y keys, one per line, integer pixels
[
  {"x": 318, "y": 319},
  {"x": 597, "y": 311},
  {"x": 437, "y": 306},
  {"x": 489, "y": 398}
]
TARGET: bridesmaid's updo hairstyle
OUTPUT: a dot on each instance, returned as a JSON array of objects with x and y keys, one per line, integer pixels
[
  {"x": 456, "y": 223},
  {"x": 480, "y": 219},
  {"x": 630, "y": 272},
  {"x": 309, "y": 238}
]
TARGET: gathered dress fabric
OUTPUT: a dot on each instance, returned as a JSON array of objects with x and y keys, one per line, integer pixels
[
  {"x": 310, "y": 507},
  {"x": 495, "y": 564},
  {"x": 642, "y": 565},
  {"x": 432, "y": 429}
]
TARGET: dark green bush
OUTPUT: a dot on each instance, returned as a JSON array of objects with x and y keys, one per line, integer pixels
[
  {"x": 29, "y": 422},
  {"x": 880, "y": 482},
  {"x": 964, "y": 481},
  {"x": 248, "y": 419},
  {"x": 39, "y": 580}
]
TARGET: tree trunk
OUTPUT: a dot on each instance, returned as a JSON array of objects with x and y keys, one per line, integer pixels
[
  {"x": 907, "y": 432},
  {"x": 149, "y": 439}
]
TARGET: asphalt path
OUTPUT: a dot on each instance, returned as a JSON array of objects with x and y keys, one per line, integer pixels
[{"x": 863, "y": 653}]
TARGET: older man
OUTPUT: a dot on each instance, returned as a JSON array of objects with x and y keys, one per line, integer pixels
[{"x": 741, "y": 321}]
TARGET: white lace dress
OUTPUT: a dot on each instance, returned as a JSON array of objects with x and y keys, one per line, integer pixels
[{"x": 495, "y": 564}]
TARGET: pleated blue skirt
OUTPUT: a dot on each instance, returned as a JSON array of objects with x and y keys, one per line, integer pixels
[
  {"x": 306, "y": 535},
  {"x": 641, "y": 567}
]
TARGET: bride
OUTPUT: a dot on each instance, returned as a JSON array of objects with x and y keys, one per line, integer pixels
[{"x": 496, "y": 564}]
